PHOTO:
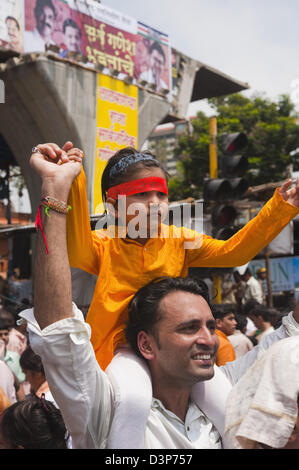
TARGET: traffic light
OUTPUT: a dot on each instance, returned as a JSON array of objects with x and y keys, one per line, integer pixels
[
  {"x": 223, "y": 221},
  {"x": 229, "y": 186},
  {"x": 233, "y": 164}
]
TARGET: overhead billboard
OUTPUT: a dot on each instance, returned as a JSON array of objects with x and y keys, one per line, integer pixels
[{"x": 105, "y": 37}]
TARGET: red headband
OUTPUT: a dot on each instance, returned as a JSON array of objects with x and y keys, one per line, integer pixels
[{"x": 138, "y": 186}]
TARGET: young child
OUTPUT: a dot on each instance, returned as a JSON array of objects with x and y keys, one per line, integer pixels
[{"x": 124, "y": 264}]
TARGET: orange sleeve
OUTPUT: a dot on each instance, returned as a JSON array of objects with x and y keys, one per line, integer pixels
[
  {"x": 225, "y": 353},
  {"x": 247, "y": 242},
  {"x": 84, "y": 246}
]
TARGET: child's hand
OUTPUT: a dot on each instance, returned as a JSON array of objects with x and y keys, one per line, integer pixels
[
  {"x": 290, "y": 194},
  {"x": 57, "y": 167}
]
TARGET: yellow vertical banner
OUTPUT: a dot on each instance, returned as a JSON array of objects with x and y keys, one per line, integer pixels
[{"x": 117, "y": 126}]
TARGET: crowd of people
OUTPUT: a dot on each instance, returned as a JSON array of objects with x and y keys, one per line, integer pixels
[{"x": 155, "y": 364}]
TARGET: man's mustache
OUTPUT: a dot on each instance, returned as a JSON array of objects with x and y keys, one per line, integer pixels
[{"x": 44, "y": 23}]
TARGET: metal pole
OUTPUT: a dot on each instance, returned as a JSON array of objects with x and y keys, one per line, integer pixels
[
  {"x": 269, "y": 286},
  {"x": 213, "y": 147},
  {"x": 214, "y": 174},
  {"x": 8, "y": 208}
]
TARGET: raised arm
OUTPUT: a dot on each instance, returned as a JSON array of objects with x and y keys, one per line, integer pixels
[
  {"x": 57, "y": 330},
  {"x": 52, "y": 283},
  {"x": 253, "y": 237},
  {"x": 83, "y": 245}
]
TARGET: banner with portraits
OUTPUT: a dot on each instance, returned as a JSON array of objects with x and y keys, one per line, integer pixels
[{"x": 106, "y": 37}]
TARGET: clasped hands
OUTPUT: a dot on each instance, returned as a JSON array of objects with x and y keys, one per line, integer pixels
[{"x": 56, "y": 165}]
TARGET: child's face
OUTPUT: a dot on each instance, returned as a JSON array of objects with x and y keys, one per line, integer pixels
[{"x": 145, "y": 211}]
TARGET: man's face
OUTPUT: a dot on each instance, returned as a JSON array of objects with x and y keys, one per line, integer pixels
[
  {"x": 262, "y": 275},
  {"x": 4, "y": 335},
  {"x": 45, "y": 23},
  {"x": 257, "y": 320},
  {"x": 227, "y": 324},
  {"x": 72, "y": 39},
  {"x": 157, "y": 64},
  {"x": 186, "y": 344},
  {"x": 12, "y": 31},
  {"x": 142, "y": 57}
]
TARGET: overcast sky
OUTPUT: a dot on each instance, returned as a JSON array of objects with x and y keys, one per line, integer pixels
[{"x": 254, "y": 41}]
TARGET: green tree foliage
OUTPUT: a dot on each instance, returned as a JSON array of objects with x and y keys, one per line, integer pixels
[{"x": 272, "y": 131}]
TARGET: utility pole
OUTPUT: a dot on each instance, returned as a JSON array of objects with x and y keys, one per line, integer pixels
[
  {"x": 213, "y": 147},
  {"x": 214, "y": 174},
  {"x": 269, "y": 285}
]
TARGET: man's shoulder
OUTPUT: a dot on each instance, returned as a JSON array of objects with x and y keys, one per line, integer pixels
[{"x": 253, "y": 281}]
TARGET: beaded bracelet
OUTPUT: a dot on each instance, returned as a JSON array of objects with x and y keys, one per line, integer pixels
[{"x": 51, "y": 203}]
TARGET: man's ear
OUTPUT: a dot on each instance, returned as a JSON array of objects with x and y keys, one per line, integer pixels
[
  {"x": 218, "y": 323},
  {"x": 144, "y": 343}
]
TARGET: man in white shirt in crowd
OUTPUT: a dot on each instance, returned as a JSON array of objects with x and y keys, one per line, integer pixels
[
  {"x": 261, "y": 277},
  {"x": 241, "y": 343},
  {"x": 180, "y": 347},
  {"x": 253, "y": 288},
  {"x": 261, "y": 318}
]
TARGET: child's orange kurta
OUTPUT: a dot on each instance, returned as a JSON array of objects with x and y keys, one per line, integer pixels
[{"x": 123, "y": 266}]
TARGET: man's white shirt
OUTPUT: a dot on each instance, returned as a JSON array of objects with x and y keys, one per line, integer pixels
[{"x": 86, "y": 397}]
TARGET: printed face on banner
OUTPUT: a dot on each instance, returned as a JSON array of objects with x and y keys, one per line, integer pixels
[
  {"x": 11, "y": 25},
  {"x": 104, "y": 36},
  {"x": 152, "y": 62},
  {"x": 130, "y": 48}
]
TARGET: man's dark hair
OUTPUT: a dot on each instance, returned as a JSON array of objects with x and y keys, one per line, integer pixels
[
  {"x": 69, "y": 22},
  {"x": 31, "y": 361},
  {"x": 40, "y": 5},
  {"x": 8, "y": 318},
  {"x": 3, "y": 325},
  {"x": 145, "y": 310},
  {"x": 247, "y": 272},
  {"x": 157, "y": 47},
  {"x": 12, "y": 18},
  {"x": 261, "y": 312},
  {"x": 241, "y": 321},
  {"x": 34, "y": 423},
  {"x": 220, "y": 311},
  {"x": 249, "y": 305}
]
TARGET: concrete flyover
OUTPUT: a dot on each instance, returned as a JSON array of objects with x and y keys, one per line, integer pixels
[{"x": 49, "y": 99}]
